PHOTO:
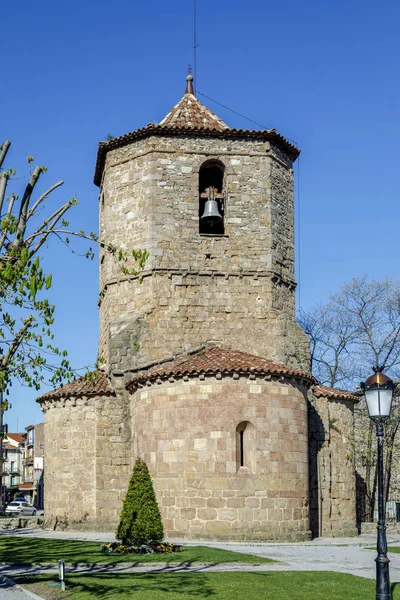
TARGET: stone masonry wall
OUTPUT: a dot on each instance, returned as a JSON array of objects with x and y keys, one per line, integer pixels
[
  {"x": 186, "y": 432},
  {"x": 173, "y": 313},
  {"x": 149, "y": 199},
  {"x": 69, "y": 458},
  {"x": 332, "y": 474},
  {"x": 114, "y": 458}
]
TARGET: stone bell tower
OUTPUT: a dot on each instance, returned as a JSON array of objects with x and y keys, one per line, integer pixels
[
  {"x": 207, "y": 373},
  {"x": 229, "y": 282}
]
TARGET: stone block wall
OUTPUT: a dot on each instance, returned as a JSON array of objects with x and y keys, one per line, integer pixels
[
  {"x": 297, "y": 472},
  {"x": 114, "y": 458},
  {"x": 201, "y": 287},
  {"x": 187, "y": 434},
  {"x": 332, "y": 470},
  {"x": 70, "y": 461},
  {"x": 172, "y": 313}
]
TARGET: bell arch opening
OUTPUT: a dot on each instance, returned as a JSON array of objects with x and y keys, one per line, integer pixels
[{"x": 211, "y": 198}]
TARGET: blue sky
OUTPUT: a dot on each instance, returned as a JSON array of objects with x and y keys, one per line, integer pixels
[{"x": 323, "y": 73}]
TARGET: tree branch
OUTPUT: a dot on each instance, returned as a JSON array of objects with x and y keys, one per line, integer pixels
[
  {"x": 43, "y": 197},
  {"x": 51, "y": 222},
  {"x": 4, "y": 150},
  {"x": 17, "y": 341},
  {"x": 23, "y": 211},
  {"x": 3, "y": 186}
]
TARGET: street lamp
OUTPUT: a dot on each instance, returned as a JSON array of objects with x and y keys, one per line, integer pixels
[{"x": 378, "y": 390}]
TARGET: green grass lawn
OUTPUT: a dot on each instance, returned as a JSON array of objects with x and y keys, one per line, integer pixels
[
  {"x": 18, "y": 550},
  {"x": 218, "y": 586},
  {"x": 394, "y": 549}
]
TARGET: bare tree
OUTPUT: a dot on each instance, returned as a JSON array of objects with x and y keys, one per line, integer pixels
[
  {"x": 27, "y": 348},
  {"x": 359, "y": 328}
]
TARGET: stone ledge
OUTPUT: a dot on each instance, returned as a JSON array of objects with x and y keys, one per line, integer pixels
[
  {"x": 21, "y": 523},
  {"x": 371, "y": 528}
]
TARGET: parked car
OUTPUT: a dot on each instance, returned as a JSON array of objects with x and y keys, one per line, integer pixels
[
  {"x": 20, "y": 499},
  {"x": 20, "y": 508}
]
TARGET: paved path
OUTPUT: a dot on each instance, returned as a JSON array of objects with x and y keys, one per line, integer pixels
[{"x": 9, "y": 590}]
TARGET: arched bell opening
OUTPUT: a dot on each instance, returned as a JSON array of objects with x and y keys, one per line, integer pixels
[{"x": 211, "y": 198}]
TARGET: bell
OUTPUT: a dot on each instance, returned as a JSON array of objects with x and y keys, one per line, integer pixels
[{"x": 211, "y": 214}]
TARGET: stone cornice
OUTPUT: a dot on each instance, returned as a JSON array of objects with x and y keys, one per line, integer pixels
[
  {"x": 270, "y": 135},
  {"x": 305, "y": 380},
  {"x": 269, "y": 153},
  {"x": 68, "y": 401},
  {"x": 169, "y": 272}
]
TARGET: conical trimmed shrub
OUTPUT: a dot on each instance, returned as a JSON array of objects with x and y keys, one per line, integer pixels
[{"x": 140, "y": 521}]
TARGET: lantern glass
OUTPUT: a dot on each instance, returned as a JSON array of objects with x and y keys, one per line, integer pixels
[{"x": 379, "y": 402}]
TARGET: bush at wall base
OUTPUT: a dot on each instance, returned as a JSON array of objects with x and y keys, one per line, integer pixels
[{"x": 140, "y": 521}]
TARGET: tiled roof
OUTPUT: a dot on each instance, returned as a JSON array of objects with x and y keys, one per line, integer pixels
[
  {"x": 322, "y": 391},
  {"x": 190, "y": 113},
  {"x": 20, "y": 438},
  {"x": 263, "y": 135},
  {"x": 217, "y": 359},
  {"x": 95, "y": 384},
  {"x": 191, "y": 118}
]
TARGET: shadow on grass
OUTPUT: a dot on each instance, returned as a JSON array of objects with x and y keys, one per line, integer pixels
[
  {"x": 28, "y": 551},
  {"x": 221, "y": 586},
  {"x": 142, "y": 585},
  {"x": 111, "y": 570},
  {"x": 31, "y": 550}
]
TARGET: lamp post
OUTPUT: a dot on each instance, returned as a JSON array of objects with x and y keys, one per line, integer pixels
[{"x": 378, "y": 390}]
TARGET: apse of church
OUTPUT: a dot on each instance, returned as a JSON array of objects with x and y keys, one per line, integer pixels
[{"x": 206, "y": 372}]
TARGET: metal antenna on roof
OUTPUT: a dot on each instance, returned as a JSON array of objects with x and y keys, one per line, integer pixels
[{"x": 195, "y": 46}]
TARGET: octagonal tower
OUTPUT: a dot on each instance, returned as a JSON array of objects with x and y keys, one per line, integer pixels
[{"x": 232, "y": 283}]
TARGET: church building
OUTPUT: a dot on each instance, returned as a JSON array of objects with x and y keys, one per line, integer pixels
[{"x": 206, "y": 373}]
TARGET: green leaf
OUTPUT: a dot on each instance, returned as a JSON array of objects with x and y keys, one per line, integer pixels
[{"x": 33, "y": 287}]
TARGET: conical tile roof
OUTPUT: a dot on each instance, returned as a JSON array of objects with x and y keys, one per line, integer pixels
[
  {"x": 93, "y": 384},
  {"x": 191, "y": 118},
  {"x": 216, "y": 359},
  {"x": 190, "y": 113}
]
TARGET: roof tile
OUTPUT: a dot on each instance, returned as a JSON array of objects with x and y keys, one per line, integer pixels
[
  {"x": 217, "y": 359},
  {"x": 94, "y": 384},
  {"x": 323, "y": 391},
  {"x": 191, "y": 118},
  {"x": 190, "y": 113}
]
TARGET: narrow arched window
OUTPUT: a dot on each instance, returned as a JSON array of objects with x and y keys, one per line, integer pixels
[
  {"x": 211, "y": 198},
  {"x": 241, "y": 447},
  {"x": 245, "y": 445}
]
